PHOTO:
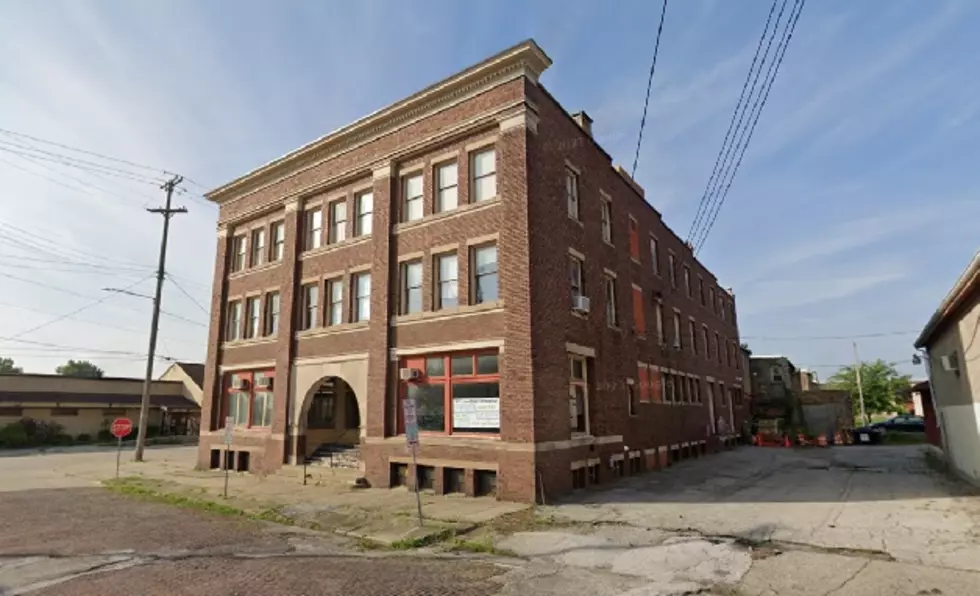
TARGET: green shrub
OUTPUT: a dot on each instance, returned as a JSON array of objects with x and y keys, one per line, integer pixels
[
  {"x": 104, "y": 436},
  {"x": 13, "y": 436},
  {"x": 84, "y": 438}
]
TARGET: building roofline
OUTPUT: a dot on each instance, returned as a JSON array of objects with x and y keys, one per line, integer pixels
[
  {"x": 526, "y": 57},
  {"x": 968, "y": 281},
  {"x": 93, "y": 379}
]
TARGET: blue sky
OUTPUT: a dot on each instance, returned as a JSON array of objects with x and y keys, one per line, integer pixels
[{"x": 853, "y": 213}]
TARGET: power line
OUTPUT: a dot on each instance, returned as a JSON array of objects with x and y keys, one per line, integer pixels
[
  {"x": 831, "y": 337},
  {"x": 189, "y": 297},
  {"x": 788, "y": 36},
  {"x": 81, "y": 349},
  {"x": 646, "y": 101},
  {"x": 30, "y": 150},
  {"x": 68, "y": 186},
  {"x": 731, "y": 124},
  {"x": 86, "y": 152}
]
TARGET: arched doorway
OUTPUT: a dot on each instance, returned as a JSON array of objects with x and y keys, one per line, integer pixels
[{"x": 333, "y": 418}]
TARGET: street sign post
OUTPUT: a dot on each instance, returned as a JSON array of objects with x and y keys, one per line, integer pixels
[
  {"x": 120, "y": 428},
  {"x": 229, "y": 434},
  {"x": 412, "y": 440}
]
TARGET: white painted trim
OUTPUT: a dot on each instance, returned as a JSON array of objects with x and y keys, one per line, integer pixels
[
  {"x": 450, "y": 347},
  {"x": 314, "y": 360},
  {"x": 578, "y": 350}
]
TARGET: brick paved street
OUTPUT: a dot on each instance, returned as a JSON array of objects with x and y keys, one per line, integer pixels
[{"x": 50, "y": 539}]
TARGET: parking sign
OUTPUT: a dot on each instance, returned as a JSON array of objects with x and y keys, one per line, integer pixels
[{"x": 411, "y": 423}]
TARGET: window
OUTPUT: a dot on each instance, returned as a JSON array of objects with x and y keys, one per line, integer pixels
[
  {"x": 278, "y": 240},
  {"x": 697, "y": 391},
  {"x": 447, "y": 187},
  {"x": 578, "y": 394},
  {"x": 634, "y": 240},
  {"x": 671, "y": 269},
  {"x": 309, "y": 296},
  {"x": 631, "y": 397},
  {"x": 412, "y": 198},
  {"x": 362, "y": 297},
  {"x": 364, "y": 204},
  {"x": 335, "y": 305},
  {"x": 313, "y": 226},
  {"x": 323, "y": 408},
  {"x": 721, "y": 306},
  {"x": 411, "y": 290},
  {"x": 459, "y": 393},
  {"x": 701, "y": 289},
  {"x": 659, "y": 309},
  {"x": 717, "y": 348},
  {"x": 606, "y": 215},
  {"x": 655, "y": 255},
  {"x": 612, "y": 316},
  {"x": 678, "y": 341},
  {"x": 484, "y": 168},
  {"x": 705, "y": 343},
  {"x": 254, "y": 313},
  {"x": 687, "y": 281},
  {"x": 258, "y": 247},
  {"x": 643, "y": 373},
  {"x": 723, "y": 394},
  {"x": 575, "y": 276},
  {"x": 272, "y": 308},
  {"x": 233, "y": 331},
  {"x": 238, "y": 253},
  {"x": 693, "y": 330},
  {"x": 669, "y": 388},
  {"x": 775, "y": 374},
  {"x": 248, "y": 398},
  {"x": 447, "y": 281},
  {"x": 711, "y": 299},
  {"x": 485, "y": 281},
  {"x": 571, "y": 193},
  {"x": 338, "y": 222},
  {"x": 639, "y": 318}
]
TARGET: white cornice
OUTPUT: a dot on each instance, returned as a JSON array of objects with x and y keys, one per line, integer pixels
[{"x": 523, "y": 60}]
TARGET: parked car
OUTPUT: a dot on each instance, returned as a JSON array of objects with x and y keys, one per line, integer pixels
[{"x": 909, "y": 423}]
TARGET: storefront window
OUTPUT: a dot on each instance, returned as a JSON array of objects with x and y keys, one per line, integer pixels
[
  {"x": 458, "y": 393},
  {"x": 248, "y": 398}
]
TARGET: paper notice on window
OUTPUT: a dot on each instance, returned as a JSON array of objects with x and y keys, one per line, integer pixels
[
  {"x": 476, "y": 412},
  {"x": 865, "y": 438}
]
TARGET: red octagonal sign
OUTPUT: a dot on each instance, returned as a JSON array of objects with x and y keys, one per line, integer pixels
[{"x": 121, "y": 427}]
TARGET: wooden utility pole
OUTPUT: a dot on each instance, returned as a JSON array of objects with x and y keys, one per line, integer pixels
[
  {"x": 857, "y": 373},
  {"x": 166, "y": 211}
]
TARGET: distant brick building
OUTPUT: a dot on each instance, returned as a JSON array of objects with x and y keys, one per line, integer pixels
[{"x": 473, "y": 248}]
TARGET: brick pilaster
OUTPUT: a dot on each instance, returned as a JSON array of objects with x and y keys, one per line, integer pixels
[{"x": 285, "y": 346}]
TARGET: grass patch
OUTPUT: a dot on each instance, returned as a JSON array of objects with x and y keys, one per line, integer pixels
[
  {"x": 525, "y": 520},
  {"x": 143, "y": 489},
  {"x": 484, "y": 546},
  {"x": 423, "y": 541}
]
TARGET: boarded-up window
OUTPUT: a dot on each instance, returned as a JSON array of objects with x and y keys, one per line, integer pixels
[
  {"x": 644, "y": 377},
  {"x": 656, "y": 386},
  {"x": 634, "y": 241},
  {"x": 638, "y": 319}
]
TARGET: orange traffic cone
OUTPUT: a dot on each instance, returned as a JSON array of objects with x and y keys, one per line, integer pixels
[{"x": 786, "y": 442}]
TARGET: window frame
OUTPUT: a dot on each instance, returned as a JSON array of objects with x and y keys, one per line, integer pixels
[
  {"x": 475, "y": 179},
  {"x": 277, "y": 242},
  {"x": 309, "y": 309},
  {"x": 678, "y": 332},
  {"x": 235, "y": 311},
  {"x": 576, "y": 276},
  {"x": 253, "y": 317},
  {"x": 336, "y": 225},
  {"x": 655, "y": 255},
  {"x": 271, "y": 323},
  {"x": 438, "y": 300},
  {"x": 692, "y": 327},
  {"x": 239, "y": 253},
  {"x": 328, "y": 293},
  {"x": 632, "y": 401},
  {"x": 634, "y": 239},
  {"x": 584, "y": 384},
  {"x": 572, "y": 196},
  {"x": 410, "y": 200},
  {"x": 612, "y": 308},
  {"x": 605, "y": 219},
  {"x": 705, "y": 336},
  {"x": 312, "y": 228},
  {"x": 250, "y": 398},
  {"x": 363, "y": 219},
  {"x": 687, "y": 282},
  {"x": 442, "y": 191},
  {"x": 476, "y": 276},
  {"x": 448, "y": 379},
  {"x": 357, "y": 297},
  {"x": 257, "y": 253},
  {"x": 405, "y": 290},
  {"x": 659, "y": 314},
  {"x": 672, "y": 268}
]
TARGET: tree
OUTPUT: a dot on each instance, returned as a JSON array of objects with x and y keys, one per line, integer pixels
[
  {"x": 883, "y": 387},
  {"x": 7, "y": 367},
  {"x": 80, "y": 368}
]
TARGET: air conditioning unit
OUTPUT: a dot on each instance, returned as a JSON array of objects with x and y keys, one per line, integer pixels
[
  {"x": 263, "y": 383},
  {"x": 239, "y": 383},
  {"x": 951, "y": 362},
  {"x": 409, "y": 374},
  {"x": 581, "y": 304}
]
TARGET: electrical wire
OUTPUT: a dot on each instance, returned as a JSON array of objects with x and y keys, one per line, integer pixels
[
  {"x": 731, "y": 124},
  {"x": 831, "y": 337},
  {"x": 20, "y": 149},
  {"x": 87, "y": 152},
  {"x": 189, "y": 297},
  {"x": 84, "y": 349},
  {"x": 646, "y": 101},
  {"x": 788, "y": 36}
]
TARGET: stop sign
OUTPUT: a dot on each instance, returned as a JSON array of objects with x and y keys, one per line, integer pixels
[{"x": 121, "y": 427}]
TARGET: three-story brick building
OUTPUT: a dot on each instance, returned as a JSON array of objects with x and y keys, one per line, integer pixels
[{"x": 472, "y": 247}]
